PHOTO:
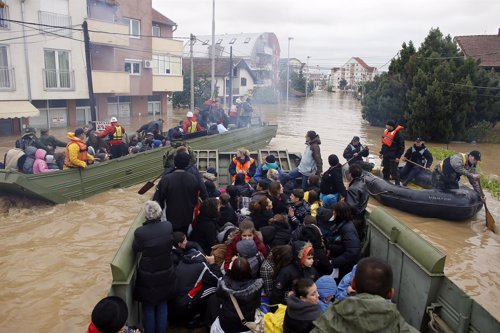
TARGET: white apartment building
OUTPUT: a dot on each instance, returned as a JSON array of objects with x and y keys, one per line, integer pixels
[{"x": 355, "y": 72}]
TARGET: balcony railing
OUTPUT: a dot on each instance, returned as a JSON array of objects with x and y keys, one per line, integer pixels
[
  {"x": 7, "y": 81},
  {"x": 54, "y": 19},
  {"x": 58, "y": 79}
]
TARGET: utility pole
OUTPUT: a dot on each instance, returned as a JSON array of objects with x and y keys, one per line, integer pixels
[
  {"x": 191, "y": 85},
  {"x": 212, "y": 86},
  {"x": 86, "y": 40},
  {"x": 230, "y": 77},
  {"x": 307, "y": 75},
  {"x": 288, "y": 70}
]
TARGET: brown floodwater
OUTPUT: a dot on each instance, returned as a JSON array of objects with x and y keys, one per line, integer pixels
[{"x": 54, "y": 260}]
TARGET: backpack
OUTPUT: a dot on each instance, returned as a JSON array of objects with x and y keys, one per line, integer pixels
[{"x": 23, "y": 142}]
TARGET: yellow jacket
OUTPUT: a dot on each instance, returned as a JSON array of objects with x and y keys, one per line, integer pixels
[{"x": 76, "y": 153}]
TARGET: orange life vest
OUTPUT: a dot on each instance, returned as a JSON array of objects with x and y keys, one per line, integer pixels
[
  {"x": 242, "y": 167},
  {"x": 388, "y": 137},
  {"x": 82, "y": 155}
]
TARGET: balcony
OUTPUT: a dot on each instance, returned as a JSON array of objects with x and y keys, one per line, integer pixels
[
  {"x": 7, "y": 81},
  {"x": 54, "y": 79},
  {"x": 54, "y": 19},
  {"x": 107, "y": 82},
  {"x": 169, "y": 46},
  {"x": 119, "y": 36},
  {"x": 167, "y": 83}
]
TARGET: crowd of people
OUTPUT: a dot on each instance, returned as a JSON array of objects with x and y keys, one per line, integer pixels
[{"x": 219, "y": 257}]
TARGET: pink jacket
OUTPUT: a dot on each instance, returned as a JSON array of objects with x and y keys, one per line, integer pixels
[{"x": 40, "y": 166}]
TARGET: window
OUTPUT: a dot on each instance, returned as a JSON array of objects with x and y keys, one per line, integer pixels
[
  {"x": 219, "y": 41},
  {"x": 134, "y": 28},
  {"x": 133, "y": 67},
  {"x": 232, "y": 41},
  {"x": 164, "y": 64},
  {"x": 4, "y": 15},
  {"x": 247, "y": 40},
  {"x": 156, "y": 31},
  {"x": 57, "y": 73},
  {"x": 243, "y": 82},
  {"x": 6, "y": 73}
]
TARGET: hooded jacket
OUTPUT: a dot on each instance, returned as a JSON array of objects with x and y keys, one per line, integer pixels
[
  {"x": 299, "y": 316},
  {"x": 311, "y": 162},
  {"x": 247, "y": 294},
  {"x": 362, "y": 313},
  {"x": 40, "y": 166},
  {"x": 76, "y": 153},
  {"x": 30, "y": 159},
  {"x": 357, "y": 196},
  {"x": 344, "y": 246},
  {"x": 331, "y": 182}
]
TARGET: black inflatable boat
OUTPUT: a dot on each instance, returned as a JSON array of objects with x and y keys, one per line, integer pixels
[{"x": 455, "y": 205}]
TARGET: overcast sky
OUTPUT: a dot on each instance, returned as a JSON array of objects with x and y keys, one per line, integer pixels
[{"x": 332, "y": 31}]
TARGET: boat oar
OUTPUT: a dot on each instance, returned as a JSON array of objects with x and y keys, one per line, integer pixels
[
  {"x": 410, "y": 161},
  {"x": 349, "y": 160},
  {"x": 148, "y": 185},
  {"x": 490, "y": 222}
]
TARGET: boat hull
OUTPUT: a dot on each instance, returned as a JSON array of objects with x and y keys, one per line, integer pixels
[
  {"x": 455, "y": 205},
  {"x": 74, "y": 184}
]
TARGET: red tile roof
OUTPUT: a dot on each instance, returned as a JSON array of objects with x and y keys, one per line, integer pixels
[
  {"x": 365, "y": 66},
  {"x": 483, "y": 47},
  {"x": 160, "y": 18}
]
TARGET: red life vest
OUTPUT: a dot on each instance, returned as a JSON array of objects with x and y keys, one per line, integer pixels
[
  {"x": 242, "y": 167},
  {"x": 388, "y": 137}
]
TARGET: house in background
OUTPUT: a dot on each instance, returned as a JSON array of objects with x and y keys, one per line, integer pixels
[
  {"x": 295, "y": 65},
  {"x": 355, "y": 72},
  {"x": 43, "y": 76},
  {"x": 243, "y": 77},
  {"x": 261, "y": 52},
  {"x": 485, "y": 48}
]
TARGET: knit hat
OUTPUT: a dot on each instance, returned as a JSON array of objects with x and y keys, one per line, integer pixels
[
  {"x": 110, "y": 314},
  {"x": 78, "y": 131},
  {"x": 329, "y": 200},
  {"x": 326, "y": 286},
  {"x": 152, "y": 210},
  {"x": 391, "y": 123},
  {"x": 248, "y": 249},
  {"x": 156, "y": 143},
  {"x": 270, "y": 159},
  {"x": 181, "y": 160}
]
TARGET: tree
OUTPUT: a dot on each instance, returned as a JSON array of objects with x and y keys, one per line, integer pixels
[
  {"x": 202, "y": 89},
  {"x": 342, "y": 84}
]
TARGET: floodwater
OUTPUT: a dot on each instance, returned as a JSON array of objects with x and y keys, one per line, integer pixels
[{"x": 54, "y": 260}]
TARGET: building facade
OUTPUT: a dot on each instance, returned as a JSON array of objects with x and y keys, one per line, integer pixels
[
  {"x": 261, "y": 51},
  {"x": 355, "y": 72},
  {"x": 135, "y": 62}
]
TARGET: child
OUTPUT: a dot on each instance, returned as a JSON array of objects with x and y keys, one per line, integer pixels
[
  {"x": 302, "y": 307},
  {"x": 40, "y": 165},
  {"x": 248, "y": 249},
  {"x": 327, "y": 288},
  {"x": 246, "y": 231},
  {"x": 182, "y": 247},
  {"x": 313, "y": 201}
]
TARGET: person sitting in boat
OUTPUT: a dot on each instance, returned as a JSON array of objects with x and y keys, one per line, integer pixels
[
  {"x": 190, "y": 125},
  {"x": 357, "y": 198},
  {"x": 447, "y": 174},
  {"x": 171, "y": 131},
  {"x": 30, "y": 159},
  {"x": 373, "y": 284},
  {"x": 298, "y": 208},
  {"x": 30, "y": 139},
  {"x": 242, "y": 163},
  {"x": 417, "y": 157},
  {"x": 115, "y": 133},
  {"x": 50, "y": 141},
  {"x": 246, "y": 111},
  {"x": 168, "y": 156},
  {"x": 331, "y": 181},
  {"x": 155, "y": 126},
  {"x": 268, "y": 163},
  {"x": 355, "y": 151},
  {"x": 76, "y": 151},
  {"x": 393, "y": 146},
  {"x": 40, "y": 165}
]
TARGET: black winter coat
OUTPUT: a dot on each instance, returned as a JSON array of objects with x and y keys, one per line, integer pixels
[
  {"x": 351, "y": 149},
  {"x": 276, "y": 234},
  {"x": 299, "y": 316},
  {"x": 332, "y": 182},
  {"x": 227, "y": 214},
  {"x": 345, "y": 246},
  {"x": 205, "y": 233},
  {"x": 262, "y": 219},
  {"x": 420, "y": 155},
  {"x": 357, "y": 196},
  {"x": 279, "y": 204},
  {"x": 247, "y": 294},
  {"x": 178, "y": 191},
  {"x": 155, "y": 273}
]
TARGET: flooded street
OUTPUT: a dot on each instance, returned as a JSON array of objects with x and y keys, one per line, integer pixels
[{"x": 54, "y": 260}]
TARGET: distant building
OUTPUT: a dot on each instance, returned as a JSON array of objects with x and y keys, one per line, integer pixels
[
  {"x": 43, "y": 82},
  {"x": 243, "y": 77},
  {"x": 485, "y": 48},
  {"x": 355, "y": 72},
  {"x": 295, "y": 65},
  {"x": 261, "y": 51}
]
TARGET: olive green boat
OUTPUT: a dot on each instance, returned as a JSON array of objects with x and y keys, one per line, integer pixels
[
  {"x": 426, "y": 298},
  {"x": 74, "y": 184}
]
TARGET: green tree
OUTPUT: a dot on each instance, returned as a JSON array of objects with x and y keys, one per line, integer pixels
[
  {"x": 342, "y": 84},
  {"x": 202, "y": 89}
]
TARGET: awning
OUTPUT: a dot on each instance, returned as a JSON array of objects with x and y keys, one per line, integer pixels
[{"x": 17, "y": 109}]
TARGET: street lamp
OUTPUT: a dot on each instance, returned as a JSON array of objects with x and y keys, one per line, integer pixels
[
  {"x": 288, "y": 70},
  {"x": 307, "y": 74},
  {"x": 212, "y": 86}
]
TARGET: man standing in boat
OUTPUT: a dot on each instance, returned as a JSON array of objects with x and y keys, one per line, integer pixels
[
  {"x": 417, "y": 157},
  {"x": 447, "y": 174},
  {"x": 115, "y": 134},
  {"x": 393, "y": 146}
]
